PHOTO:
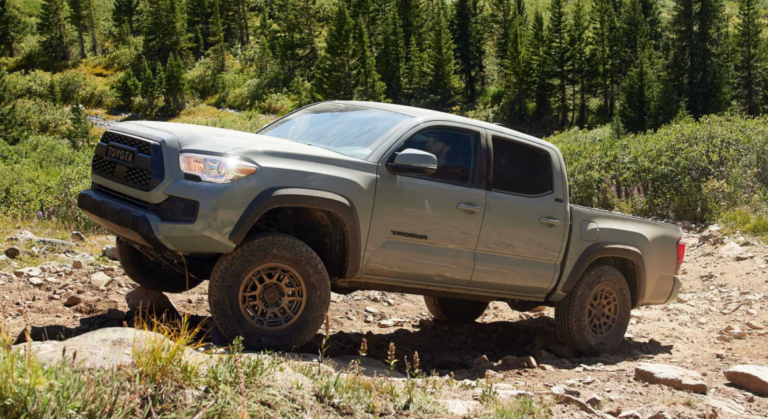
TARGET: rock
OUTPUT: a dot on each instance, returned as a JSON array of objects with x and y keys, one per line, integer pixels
[
  {"x": 482, "y": 359},
  {"x": 560, "y": 390},
  {"x": 629, "y": 414},
  {"x": 336, "y": 297},
  {"x": 660, "y": 415},
  {"x": 78, "y": 236},
  {"x": 73, "y": 300},
  {"x": 110, "y": 252},
  {"x": 732, "y": 249},
  {"x": 368, "y": 366},
  {"x": 460, "y": 407},
  {"x": 55, "y": 242},
  {"x": 29, "y": 272},
  {"x": 371, "y": 310},
  {"x": 12, "y": 252},
  {"x": 369, "y": 319},
  {"x": 563, "y": 351},
  {"x": 25, "y": 235},
  {"x": 448, "y": 361},
  {"x": 78, "y": 264},
  {"x": 107, "y": 348},
  {"x": 546, "y": 367},
  {"x": 671, "y": 376},
  {"x": 115, "y": 314},
  {"x": 720, "y": 354},
  {"x": 154, "y": 301},
  {"x": 100, "y": 279},
  {"x": 753, "y": 378},
  {"x": 35, "y": 281},
  {"x": 54, "y": 297},
  {"x": 510, "y": 360},
  {"x": 755, "y": 325},
  {"x": 594, "y": 401},
  {"x": 530, "y": 362},
  {"x": 426, "y": 324},
  {"x": 391, "y": 323}
]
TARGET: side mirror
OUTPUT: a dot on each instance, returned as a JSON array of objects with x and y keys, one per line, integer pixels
[{"x": 412, "y": 161}]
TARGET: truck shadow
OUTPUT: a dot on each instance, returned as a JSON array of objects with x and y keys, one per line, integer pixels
[{"x": 443, "y": 348}]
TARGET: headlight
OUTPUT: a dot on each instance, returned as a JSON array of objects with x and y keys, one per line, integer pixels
[{"x": 216, "y": 169}]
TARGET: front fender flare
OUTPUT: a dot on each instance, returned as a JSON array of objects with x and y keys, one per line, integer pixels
[{"x": 305, "y": 198}]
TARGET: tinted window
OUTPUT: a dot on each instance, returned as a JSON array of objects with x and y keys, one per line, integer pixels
[
  {"x": 347, "y": 129},
  {"x": 456, "y": 153},
  {"x": 520, "y": 168}
]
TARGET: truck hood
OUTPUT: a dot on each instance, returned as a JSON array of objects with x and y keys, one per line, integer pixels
[{"x": 220, "y": 141}]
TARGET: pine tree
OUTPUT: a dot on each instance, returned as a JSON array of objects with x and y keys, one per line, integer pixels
[
  {"x": 514, "y": 81},
  {"x": 295, "y": 45},
  {"x": 637, "y": 96},
  {"x": 635, "y": 34},
  {"x": 582, "y": 63},
  {"x": 750, "y": 61},
  {"x": 78, "y": 19},
  {"x": 699, "y": 62},
  {"x": 652, "y": 16},
  {"x": 333, "y": 79},
  {"x": 53, "y": 29},
  {"x": 411, "y": 14},
  {"x": 467, "y": 30},
  {"x": 125, "y": 14},
  {"x": 217, "y": 42},
  {"x": 12, "y": 129},
  {"x": 391, "y": 60},
  {"x": 174, "y": 86},
  {"x": 11, "y": 27},
  {"x": 366, "y": 80},
  {"x": 502, "y": 19},
  {"x": 127, "y": 88},
  {"x": 558, "y": 56},
  {"x": 79, "y": 132},
  {"x": 416, "y": 76},
  {"x": 536, "y": 68},
  {"x": 91, "y": 13},
  {"x": 149, "y": 89},
  {"x": 444, "y": 85},
  {"x": 165, "y": 30},
  {"x": 605, "y": 39}
]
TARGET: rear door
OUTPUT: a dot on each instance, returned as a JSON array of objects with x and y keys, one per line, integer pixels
[
  {"x": 425, "y": 228},
  {"x": 525, "y": 221}
]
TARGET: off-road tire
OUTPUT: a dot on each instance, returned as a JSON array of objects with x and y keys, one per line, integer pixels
[
  {"x": 453, "y": 310},
  {"x": 571, "y": 314},
  {"x": 148, "y": 273},
  {"x": 232, "y": 270}
]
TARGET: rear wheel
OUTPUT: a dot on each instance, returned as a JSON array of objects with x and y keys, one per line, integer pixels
[
  {"x": 454, "y": 310},
  {"x": 273, "y": 290},
  {"x": 594, "y": 317},
  {"x": 151, "y": 274}
]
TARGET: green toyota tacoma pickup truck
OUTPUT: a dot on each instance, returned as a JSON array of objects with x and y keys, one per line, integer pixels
[{"x": 346, "y": 196}]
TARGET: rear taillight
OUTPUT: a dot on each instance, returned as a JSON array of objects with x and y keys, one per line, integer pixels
[{"x": 680, "y": 256}]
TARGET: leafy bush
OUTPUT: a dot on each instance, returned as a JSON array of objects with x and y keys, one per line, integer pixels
[
  {"x": 686, "y": 170},
  {"x": 41, "y": 176}
]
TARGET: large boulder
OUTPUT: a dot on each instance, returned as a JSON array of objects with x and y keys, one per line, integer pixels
[
  {"x": 150, "y": 300},
  {"x": 753, "y": 378},
  {"x": 106, "y": 348},
  {"x": 671, "y": 376}
]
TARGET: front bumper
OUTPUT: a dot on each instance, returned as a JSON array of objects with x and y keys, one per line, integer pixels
[
  {"x": 157, "y": 225},
  {"x": 675, "y": 290}
]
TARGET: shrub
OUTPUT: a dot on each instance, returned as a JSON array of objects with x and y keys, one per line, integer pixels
[{"x": 685, "y": 170}]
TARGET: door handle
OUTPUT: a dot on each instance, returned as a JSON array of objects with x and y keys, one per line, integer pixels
[
  {"x": 549, "y": 221},
  {"x": 469, "y": 207}
]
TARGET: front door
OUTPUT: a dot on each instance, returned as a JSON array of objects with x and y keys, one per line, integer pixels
[
  {"x": 526, "y": 219},
  {"x": 425, "y": 228}
]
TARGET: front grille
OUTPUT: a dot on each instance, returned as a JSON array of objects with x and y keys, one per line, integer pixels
[
  {"x": 144, "y": 172},
  {"x": 112, "y": 137}
]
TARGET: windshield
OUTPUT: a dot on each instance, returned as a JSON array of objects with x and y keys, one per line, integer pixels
[{"x": 346, "y": 129}]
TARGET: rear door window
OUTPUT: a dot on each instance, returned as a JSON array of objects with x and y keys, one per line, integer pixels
[{"x": 520, "y": 168}]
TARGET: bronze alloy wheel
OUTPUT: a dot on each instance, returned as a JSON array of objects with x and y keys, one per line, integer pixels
[
  {"x": 602, "y": 311},
  {"x": 272, "y": 296}
]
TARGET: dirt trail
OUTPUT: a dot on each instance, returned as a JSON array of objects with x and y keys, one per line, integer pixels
[{"x": 715, "y": 324}]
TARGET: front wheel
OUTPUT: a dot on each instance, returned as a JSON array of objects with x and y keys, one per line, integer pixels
[
  {"x": 594, "y": 317},
  {"x": 273, "y": 290}
]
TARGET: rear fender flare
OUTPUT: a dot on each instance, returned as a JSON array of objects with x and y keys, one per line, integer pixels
[{"x": 603, "y": 250}]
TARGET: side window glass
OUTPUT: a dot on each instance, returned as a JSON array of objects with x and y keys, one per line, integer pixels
[
  {"x": 456, "y": 151},
  {"x": 520, "y": 168}
]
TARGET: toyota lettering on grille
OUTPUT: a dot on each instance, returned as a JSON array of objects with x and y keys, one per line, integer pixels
[{"x": 126, "y": 156}]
